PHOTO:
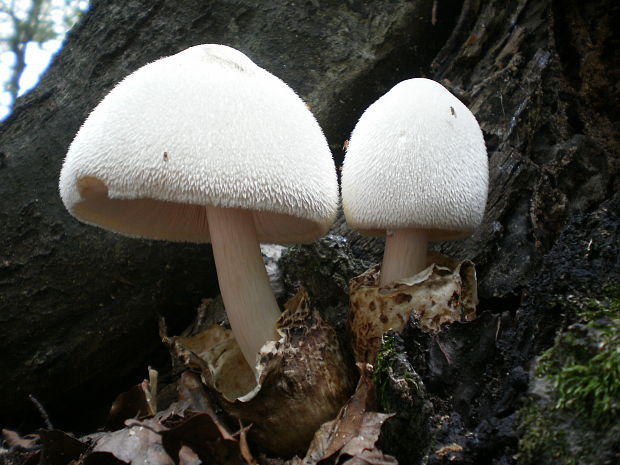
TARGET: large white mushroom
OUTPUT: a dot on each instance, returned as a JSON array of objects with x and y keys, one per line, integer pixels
[
  {"x": 416, "y": 170},
  {"x": 206, "y": 146}
]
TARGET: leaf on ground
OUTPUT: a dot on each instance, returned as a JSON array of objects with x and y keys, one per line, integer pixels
[
  {"x": 207, "y": 436},
  {"x": 23, "y": 450},
  {"x": 13, "y": 440},
  {"x": 100, "y": 458},
  {"x": 188, "y": 457},
  {"x": 192, "y": 391},
  {"x": 244, "y": 447},
  {"x": 188, "y": 432},
  {"x": 139, "y": 442},
  {"x": 351, "y": 438},
  {"x": 371, "y": 457},
  {"x": 135, "y": 403},
  {"x": 59, "y": 448}
]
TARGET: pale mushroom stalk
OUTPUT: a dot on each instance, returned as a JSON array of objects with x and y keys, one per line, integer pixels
[
  {"x": 404, "y": 254},
  {"x": 248, "y": 298}
]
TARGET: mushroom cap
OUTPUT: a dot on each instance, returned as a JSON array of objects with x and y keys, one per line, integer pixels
[
  {"x": 416, "y": 159},
  {"x": 203, "y": 127}
]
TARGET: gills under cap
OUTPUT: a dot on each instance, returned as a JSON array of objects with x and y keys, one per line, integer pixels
[
  {"x": 416, "y": 159},
  {"x": 203, "y": 127}
]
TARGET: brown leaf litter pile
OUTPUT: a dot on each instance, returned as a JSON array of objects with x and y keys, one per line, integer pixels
[
  {"x": 189, "y": 432},
  {"x": 302, "y": 393}
]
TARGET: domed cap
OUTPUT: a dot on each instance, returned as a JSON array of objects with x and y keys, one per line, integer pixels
[
  {"x": 203, "y": 127},
  {"x": 416, "y": 159}
]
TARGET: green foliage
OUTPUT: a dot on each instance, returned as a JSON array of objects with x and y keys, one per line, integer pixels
[
  {"x": 400, "y": 391},
  {"x": 388, "y": 365},
  {"x": 37, "y": 21},
  {"x": 593, "y": 386},
  {"x": 542, "y": 442},
  {"x": 584, "y": 364},
  {"x": 580, "y": 380},
  {"x": 385, "y": 360}
]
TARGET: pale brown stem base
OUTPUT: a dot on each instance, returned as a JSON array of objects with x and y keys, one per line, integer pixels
[
  {"x": 250, "y": 304},
  {"x": 404, "y": 254}
]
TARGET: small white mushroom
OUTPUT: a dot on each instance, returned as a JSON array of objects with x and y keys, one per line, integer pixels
[
  {"x": 416, "y": 168},
  {"x": 206, "y": 146}
]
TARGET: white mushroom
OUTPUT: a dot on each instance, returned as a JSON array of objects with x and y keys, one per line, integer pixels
[
  {"x": 206, "y": 146},
  {"x": 416, "y": 167}
]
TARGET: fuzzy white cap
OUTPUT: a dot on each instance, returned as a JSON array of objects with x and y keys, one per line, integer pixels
[
  {"x": 206, "y": 126},
  {"x": 416, "y": 159}
]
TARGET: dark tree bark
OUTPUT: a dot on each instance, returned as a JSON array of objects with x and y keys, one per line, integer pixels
[{"x": 79, "y": 305}]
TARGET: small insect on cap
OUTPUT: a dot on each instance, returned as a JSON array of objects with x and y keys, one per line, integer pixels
[
  {"x": 416, "y": 159},
  {"x": 203, "y": 127}
]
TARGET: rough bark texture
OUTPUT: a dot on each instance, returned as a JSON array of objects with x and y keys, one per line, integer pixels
[
  {"x": 78, "y": 306},
  {"x": 539, "y": 76}
]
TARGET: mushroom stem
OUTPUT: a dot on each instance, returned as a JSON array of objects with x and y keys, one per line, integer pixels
[
  {"x": 404, "y": 254},
  {"x": 248, "y": 298}
]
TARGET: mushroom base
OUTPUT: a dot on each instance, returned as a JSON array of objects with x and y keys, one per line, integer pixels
[{"x": 303, "y": 378}]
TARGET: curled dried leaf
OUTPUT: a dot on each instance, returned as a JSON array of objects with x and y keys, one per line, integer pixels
[
  {"x": 192, "y": 391},
  {"x": 207, "y": 437},
  {"x": 137, "y": 402},
  {"x": 444, "y": 292},
  {"x": 12, "y": 439},
  {"x": 60, "y": 448},
  {"x": 139, "y": 442},
  {"x": 352, "y": 436}
]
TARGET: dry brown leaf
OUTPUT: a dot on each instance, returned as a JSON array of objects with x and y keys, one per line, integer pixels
[
  {"x": 207, "y": 437},
  {"x": 59, "y": 448},
  {"x": 188, "y": 457},
  {"x": 12, "y": 439},
  {"x": 371, "y": 457},
  {"x": 100, "y": 458},
  {"x": 353, "y": 434},
  {"x": 244, "y": 447},
  {"x": 138, "y": 443},
  {"x": 441, "y": 294},
  {"x": 174, "y": 436},
  {"x": 135, "y": 403},
  {"x": 174, "y": 414},
  {"x": 192, "y": 391}
]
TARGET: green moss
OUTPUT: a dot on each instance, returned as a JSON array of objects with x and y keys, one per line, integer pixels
[
  {"x": 383, "y": 367},
  {"x": 592, "y": 386},
  {"x": 584, "y": 364},
  {"x": 542, "y": 442},
  {"x": 401, "y": 391},
  {"x": 578, "y": 382}
]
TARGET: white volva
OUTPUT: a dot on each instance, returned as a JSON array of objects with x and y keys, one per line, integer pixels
[
  {"x": 206, "y": 146},
  {"x": 416, "y": 166}
]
